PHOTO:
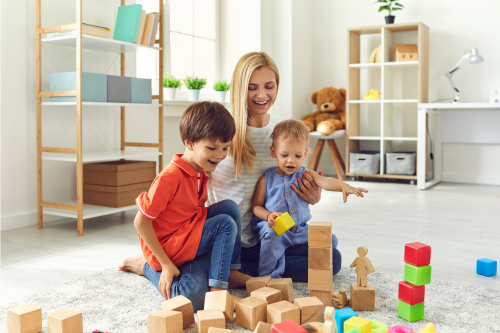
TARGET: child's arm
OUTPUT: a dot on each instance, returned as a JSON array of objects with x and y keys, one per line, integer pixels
[
  {"x": 333, "y": 184},
  {"x": 258, "y": 201}
]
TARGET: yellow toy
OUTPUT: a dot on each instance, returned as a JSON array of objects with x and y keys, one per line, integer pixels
[
  {"x": 429, "y": 328},
  {"x": 283, "y": 223},
  {"x": 373, "y": 95}
]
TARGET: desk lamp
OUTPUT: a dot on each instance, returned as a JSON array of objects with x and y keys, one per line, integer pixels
[{"x": 474, "y": 58}]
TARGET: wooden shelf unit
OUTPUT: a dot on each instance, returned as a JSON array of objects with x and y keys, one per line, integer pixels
[
  {"x": 385, "y": 137},
  {"x": 76, "y": 155}
]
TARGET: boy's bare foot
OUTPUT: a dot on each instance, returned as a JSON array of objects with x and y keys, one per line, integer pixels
[
  {"x": 133, "y": 264},
  {"x": 237, "y": 279}
]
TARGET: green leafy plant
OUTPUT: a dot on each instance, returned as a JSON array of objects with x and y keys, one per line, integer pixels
[
  {"x": 171, "y": 82},
  {"x": 389, "y": 5},
  {"x": 195, "y": 82},
  {"x": 221, "y": 86}
]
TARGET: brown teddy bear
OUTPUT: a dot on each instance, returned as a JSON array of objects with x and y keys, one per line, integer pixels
[{"x": 331, "y": 115}]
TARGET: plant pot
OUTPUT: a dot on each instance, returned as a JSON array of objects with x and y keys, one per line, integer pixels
[
  {"x": 169, "y": 93},
  {"x": 193, "y": 95},
  {"x": 389, "y": 19},
  {"x": 220, "y": 96}
]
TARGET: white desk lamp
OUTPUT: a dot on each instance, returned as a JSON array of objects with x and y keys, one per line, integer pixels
[{"x": 474, "y": 58}]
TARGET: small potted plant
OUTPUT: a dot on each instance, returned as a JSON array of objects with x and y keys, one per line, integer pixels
[
  {"x": 221, "y": 87},
  {"x": 170, "y": 84},
  {"x": 194, "y": 84},
  {"x": 390, "y": 6}
]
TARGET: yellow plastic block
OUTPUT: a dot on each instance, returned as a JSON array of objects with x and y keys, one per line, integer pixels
[
  {"x": 283, "y": 223},
  {"x": 362, "y": 324}
]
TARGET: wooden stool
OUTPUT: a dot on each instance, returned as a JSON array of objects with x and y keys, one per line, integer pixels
[{"x": 334, "y": 151}]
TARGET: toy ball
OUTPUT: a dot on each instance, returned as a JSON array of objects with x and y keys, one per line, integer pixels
[{"x": 400, "y": 329}]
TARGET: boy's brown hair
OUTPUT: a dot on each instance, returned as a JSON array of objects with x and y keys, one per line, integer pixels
[
  {"x": 290, "y": 129},
  {"x": 206, "y": 121}
]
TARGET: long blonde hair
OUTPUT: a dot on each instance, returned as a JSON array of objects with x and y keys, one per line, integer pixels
[{"x": 241, "y": 149}]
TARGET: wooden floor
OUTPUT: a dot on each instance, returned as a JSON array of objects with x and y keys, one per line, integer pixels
[{"x": 460, "y": 222}]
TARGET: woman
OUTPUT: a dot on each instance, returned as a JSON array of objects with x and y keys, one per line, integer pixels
[{"x": 254, "y": 87}]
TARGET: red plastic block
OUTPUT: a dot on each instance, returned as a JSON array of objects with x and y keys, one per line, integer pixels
[
  {"x": 411, "y": 294},
  {"x": 417, "y": 254},
  {"x": 288, "y": 326}
]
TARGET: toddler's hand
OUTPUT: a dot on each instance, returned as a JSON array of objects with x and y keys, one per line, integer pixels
[
  {"x": 270, "y": 219},
  {"x": 347, "y": 189}
]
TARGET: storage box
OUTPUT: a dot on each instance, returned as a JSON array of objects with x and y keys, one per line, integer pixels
[
  {"x": 113, "y": 196},
  {"x": 402, "y": 163},
  {"x": 118, "y": 89},
  {"x": 94, "y": 86},
  {"x": 119, "y": 173},
  {"x": 140, "y": 91},
  {"x": 365, "y": 162}
]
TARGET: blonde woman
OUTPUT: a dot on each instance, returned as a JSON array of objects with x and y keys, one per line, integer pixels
[{"x": 254, "y": 87}]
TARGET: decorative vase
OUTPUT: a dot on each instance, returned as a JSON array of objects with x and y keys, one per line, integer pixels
[
  {"x": 193, "y": 95},
  {"x": 169, "y": 93},
  {"x": 220, "y": 96},
  {"x": 389, "y": 19}
]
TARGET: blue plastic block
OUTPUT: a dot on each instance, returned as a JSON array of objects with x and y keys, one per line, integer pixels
[
  {"x": 486, "y": 267},
  {"x": 341, "y": 316},
  {"x": 94, "y": 86},
  {"x": 141, "y": 91}
]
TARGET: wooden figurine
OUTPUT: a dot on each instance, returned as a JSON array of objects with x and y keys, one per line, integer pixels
[
  {"x": 330, "y": 325},
  {"x": 263, "y": 327},
  {"x": 324, "y": 296},
  {"x": 363, "y": 266},
  {"x": 362, "y": 298},
  {"x": 341, "y": 300},
  {"x": 285, "y": 286},
  {"x": 320, "y": 279},
  {"x": 65, "y": 321},
  {"x": 181, "y": 304},
  {"x": 281, "y": 311},
  {"x": 288, "y": 326},
  {"x": 165, "y": 321},
  {"x": 219, "y": 330},
  {"x": 320, "y": 234},
  {"x": 320, "y": 257},
  {"x": 313, "y": 327},
  {"x": 311, "y": 309},
  {"x": 250, "y": 311},
  {"x": 257, "y": 283},
  {"x": 24, "y": 319},
  {"x": 270, "y": 295},
  {"x": 220, "y": 300},
  {"x": 210, "y": 318}
]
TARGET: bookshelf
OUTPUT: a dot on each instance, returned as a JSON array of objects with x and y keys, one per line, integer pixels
[
  {"x": 388, "y": 124},
  {"x": 80, "y": 42}
]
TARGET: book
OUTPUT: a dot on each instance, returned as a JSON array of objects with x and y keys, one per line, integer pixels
[
  {"x": 154, "y": 29},
  {"x": 127, "y": 23},
  {"x": 86, "y": 30},
  {"x": 147, "y": 29},
  {"x": 141, "y": 27}
]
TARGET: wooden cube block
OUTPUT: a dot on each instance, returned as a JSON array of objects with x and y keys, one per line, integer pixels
[
  {"x": 281, "y": 311},
  {"x": 25, "y": 319},
  {"x": 210, "y": 318},
  {"x": 314, "y": 327},
  {"x": 320, "y": 258},
  {"x": 165, "y": 321},
  {"x": 324, "y": 296},
  {"x": 288, "y": 326},
  {"x": 362, "y": 298},
  {"x": 249, "y": 311},
  {"x": 311, "y": 309},
  {"x": 320, "y": 234},
  {"x": 270, "y": 295},
  {"x": 320, "y": 279},
  {"x": 181, "y": 304},
  {"x": 220, "y": 300},
  {"x": 219, "y": 330},
  {"x": 65, "y": 321},
  {"x": 257, "y": 283},
  {"x": 263, "y": 327},
  {"x": 285, "y": 286}
]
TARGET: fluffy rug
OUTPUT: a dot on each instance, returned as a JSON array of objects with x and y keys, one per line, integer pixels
[{"x": 120, "y": 302}]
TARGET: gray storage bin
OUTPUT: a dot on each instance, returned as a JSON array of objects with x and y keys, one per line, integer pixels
[
  {"x": 365, "y": 162},
  {"x": 400, "y": 163},
  {"x": 118, "y": 89}
]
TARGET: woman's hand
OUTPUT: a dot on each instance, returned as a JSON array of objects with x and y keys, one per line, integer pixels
[
  {"x": 347, "y": 189},
  {"x": 168, "y": 273},
  {"x": 309, "y": 190},
  {"x": 271, "y": 222}
]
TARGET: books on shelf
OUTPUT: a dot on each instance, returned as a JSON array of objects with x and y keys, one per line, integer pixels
[
  {"x": 141, "y": 27},
  {"x": 87, "y": 29},
  {"x": 127, "y": 23},
  {"x": 150, "y": 28}
]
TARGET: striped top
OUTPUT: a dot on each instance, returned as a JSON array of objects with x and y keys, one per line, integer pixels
[{"x": 221, "y": 184}]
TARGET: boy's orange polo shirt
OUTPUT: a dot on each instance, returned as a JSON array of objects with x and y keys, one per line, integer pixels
[{"x": 177, "y": 209}]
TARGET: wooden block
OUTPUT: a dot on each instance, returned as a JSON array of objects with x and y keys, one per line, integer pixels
[
  {"x": 263, "y": 327},
  {"x": 24, "y": 319},
  {"x": 210, "y": 318},
  {"x": 311, "y": 309},
  {"x": 313, "y": 327},
  {"x": 320, "y": 258},
  {"x": 285, "y": 286},
  {"x": 270, "y": 295},
  {"x": 250, "y": 311},
  {"x": 65, "y": 321},
  {"x": 324, "y": 296},
  {"x": 181, "y": 304},
  {"x": 281, "y": 311},
  {"x": 220, "y": 300},
  {"x": 219, "y": 330},
  {"x": 362, "y": 298},
  {"x": 165, "y": 321},
  {"x": 320, "y": 234},
  {"x": 257, "y": 283},
  {"x": 320, "y": 279}
]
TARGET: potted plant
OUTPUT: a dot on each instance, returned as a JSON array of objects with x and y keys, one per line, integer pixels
[
  {"x": 170, "y": 84},
  {"x": 194, "y": 84},
  {"x": 221, "y": 87},
  {"x": 390, "y": 6}
]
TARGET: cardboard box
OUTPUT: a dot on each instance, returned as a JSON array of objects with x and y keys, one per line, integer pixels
[
  {"x": 119, "y": 173},
  {"x": 113, "y": 196},
  {"x": 94, "y": 86},
  {"x": 141, "y": 91}
]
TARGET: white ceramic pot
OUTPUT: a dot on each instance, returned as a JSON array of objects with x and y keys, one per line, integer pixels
[
  {"x": 193, "y": 95},
  {"x": 169, "y": 93},
  {"x": 220, "y": 96}
]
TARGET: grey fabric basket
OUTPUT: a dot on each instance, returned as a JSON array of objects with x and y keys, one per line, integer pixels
[
  {"x": 365, "y": 162},
  {"x": 118, "y": 89},
  {"x": 400, "y": 163}
]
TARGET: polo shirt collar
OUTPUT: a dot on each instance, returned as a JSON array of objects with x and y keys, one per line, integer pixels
[{"x": 184, "y": 166}]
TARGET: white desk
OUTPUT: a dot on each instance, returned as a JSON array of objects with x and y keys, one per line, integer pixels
[{"x": 488, "y": 133}]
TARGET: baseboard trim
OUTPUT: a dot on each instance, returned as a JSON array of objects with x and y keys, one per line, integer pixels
[
  {"x": 25, "y": 220},
  {"x": 471, "y": 179}
]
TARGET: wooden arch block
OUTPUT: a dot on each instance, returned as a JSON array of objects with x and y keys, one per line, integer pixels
[
  {"x": 281, "y": 311},
  {"x": 65, "y": 321},
  {"x": 250, "y": 311},
  {"x": 24, "y": 319},
  {"x": 165, "y": 321},
  {"x": 257, "y": 283},
  {"x": 181, "y": 304},
  {"x": 220, "y": 300},
  {"x": 311, "y": 309},
  {"x": 210, "y": 318},
  {"x": 270, "y": 295},
  {"x": 285, "y": 286}
]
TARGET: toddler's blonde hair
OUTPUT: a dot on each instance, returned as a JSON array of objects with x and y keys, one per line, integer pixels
[{"x": 290, "y": 129}]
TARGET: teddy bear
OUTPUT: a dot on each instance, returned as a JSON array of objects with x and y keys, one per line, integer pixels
[{"x": 331, "y": 115}]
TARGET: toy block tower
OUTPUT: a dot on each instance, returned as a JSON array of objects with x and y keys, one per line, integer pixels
[
  {"x": 320, "y": 262},
  {"x": 417, "y": 274}
]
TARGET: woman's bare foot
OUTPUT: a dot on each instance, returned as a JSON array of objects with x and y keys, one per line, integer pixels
[
  {"x": 133, "y": 264},
  {"x": 237, "y": 279}
]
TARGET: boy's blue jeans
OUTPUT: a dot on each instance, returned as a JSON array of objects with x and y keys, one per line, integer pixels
[{"x": 218, "y": 252}]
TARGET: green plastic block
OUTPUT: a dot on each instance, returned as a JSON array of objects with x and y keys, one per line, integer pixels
[
  {"x": 409, "y": 312},
  {"x": 417, "y": 276}
]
